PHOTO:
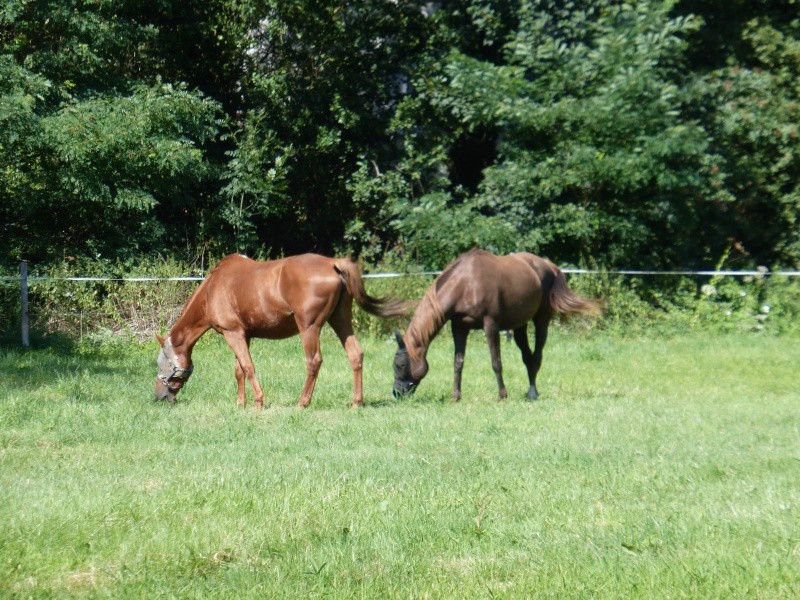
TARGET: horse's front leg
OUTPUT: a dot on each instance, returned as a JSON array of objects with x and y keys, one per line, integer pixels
[
  {"x": 460, "y": 342},
  {"x": 493, "y": 339},
  {"x": 240, "y": 344},
  {"x": 313, "y": 353}
]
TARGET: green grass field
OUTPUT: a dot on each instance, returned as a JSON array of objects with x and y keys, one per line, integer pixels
[{"x": 650, "y": 468}]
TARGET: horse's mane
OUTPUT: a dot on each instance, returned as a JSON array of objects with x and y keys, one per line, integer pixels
[
  {"x": 190, "y": 302},
  {"x": 429, "y": 318},
  {"x": 426, "y": 324},
  {"x": 193, "y": 304}
]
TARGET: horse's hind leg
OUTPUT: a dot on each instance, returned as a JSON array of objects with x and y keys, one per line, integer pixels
[
  {"x": 311, "y": 347},
  {"x": 521, "y": 338},
  {"x": 240, "y": 391},
  {"x": 493, "y": 339},
  {"x": 534, "y": 363},
  {"x": 460, "y": 342},
  {"x": 341, "y": 322},
  {"x": 240, "y": 345}
]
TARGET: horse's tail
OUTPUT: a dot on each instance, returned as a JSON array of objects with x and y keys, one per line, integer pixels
[
  {"x": 380, "y": 307},
  {"x": 566, "y": 302}
]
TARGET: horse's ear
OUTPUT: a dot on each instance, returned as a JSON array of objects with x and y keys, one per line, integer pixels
[
  {"x": 160, "y": 340},
  {"x": 400, "y": 341}
]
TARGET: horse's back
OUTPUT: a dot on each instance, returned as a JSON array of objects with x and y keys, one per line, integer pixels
[
  {"x": 238, "y": 279},
  {"x": 514, "y": 272},
  {"x": 265, "y": 298},
  {"x": 243, "y": 276},
  {"x": 480, "y": 284}
]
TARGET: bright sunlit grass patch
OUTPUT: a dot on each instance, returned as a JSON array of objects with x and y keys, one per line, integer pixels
[{"x": 649, "y": 468}]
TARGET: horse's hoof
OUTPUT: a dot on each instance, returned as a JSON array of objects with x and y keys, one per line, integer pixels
[{"x": 533, "y": 394}]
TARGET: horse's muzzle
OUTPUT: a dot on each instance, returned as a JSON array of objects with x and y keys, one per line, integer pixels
[
  {"x": 403, "y": 388},
  {"x": 163, "y": 392}
]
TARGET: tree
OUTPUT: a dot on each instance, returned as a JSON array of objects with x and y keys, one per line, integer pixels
[
  {"x": 751, "y": 109},
  {"x": 623, "y": 133},
  {"x": 320, "y": 87},
  {"x": 588, "y": 150},
  {"x": 100, "y": 156}
]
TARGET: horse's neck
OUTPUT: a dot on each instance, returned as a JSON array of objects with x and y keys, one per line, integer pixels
[
  {"x": 190, "y": 326},
  {"x": 426, "y": 324},
  {"x": 183, "y": 340}
]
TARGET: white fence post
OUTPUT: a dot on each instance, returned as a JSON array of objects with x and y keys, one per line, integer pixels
[{"x": 23, "y": 284}]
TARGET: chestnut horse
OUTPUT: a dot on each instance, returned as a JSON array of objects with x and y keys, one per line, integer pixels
[
  {"x": 243, "y": 299},
  {"x": 482, "y": 291}
]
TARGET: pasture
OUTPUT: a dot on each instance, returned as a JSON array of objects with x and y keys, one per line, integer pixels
[{"x": 650, "y": 468}]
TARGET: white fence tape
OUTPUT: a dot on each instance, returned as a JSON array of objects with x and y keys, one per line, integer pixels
[
  {"x": 394, "y": 275},
  {"x": 688, "y": 273},
  {"x": 30, "y": 279},
  {"x": 23, "y": 280}
]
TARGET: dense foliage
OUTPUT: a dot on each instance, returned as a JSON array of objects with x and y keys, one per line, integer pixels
[{"x": 621, "y": 134}]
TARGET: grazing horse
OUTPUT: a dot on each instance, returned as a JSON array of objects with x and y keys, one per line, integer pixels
[
  {"x": 244, "y": 299},
  {"x": 482, "y": 291}
]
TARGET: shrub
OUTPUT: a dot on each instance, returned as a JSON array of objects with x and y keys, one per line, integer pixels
[
  {"x": 410, "y": 287},
  {"x": 133, "y": 308},
  {"x": 720, "y": 303},
  {"x": 109, "y": 306},
  {"x": 9, "y": 301}
]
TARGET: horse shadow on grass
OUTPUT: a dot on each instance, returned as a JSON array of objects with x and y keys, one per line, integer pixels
[
  {"x": 55, "y": 358},
  {"x": 423, "y": 399}
]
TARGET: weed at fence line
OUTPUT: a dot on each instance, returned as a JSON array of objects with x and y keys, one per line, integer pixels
[
  {"x": 9, "y": 301},
  {"x": 132, "y": 308},
  {"x": 103, "y": 309},
  {"x": 410, "y": 287},
  {"x": 760, "y": 303},
  {"x": 726, "y": 303}
]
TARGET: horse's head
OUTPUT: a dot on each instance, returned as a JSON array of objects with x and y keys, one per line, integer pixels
[
  {"x": 171, "y": 375},
  {"x": 405, "y": 379}
]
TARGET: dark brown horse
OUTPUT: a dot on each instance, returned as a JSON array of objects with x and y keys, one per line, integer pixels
[
  {"x": 482, "y": 291},
  {"x": 244, "y": 299}
]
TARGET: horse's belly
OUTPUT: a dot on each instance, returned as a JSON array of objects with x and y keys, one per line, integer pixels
[
  {"x": 504, "y": 315},
  {"x": 468, "y": 321},
  {"x": 515, "y": 318},
  {"x": 274, "y": 327}
]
